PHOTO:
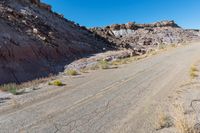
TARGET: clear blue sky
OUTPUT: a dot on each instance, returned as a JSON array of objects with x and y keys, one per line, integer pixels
[{"x": 92, "y": 13}]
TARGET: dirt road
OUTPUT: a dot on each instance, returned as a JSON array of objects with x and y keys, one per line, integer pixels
[{"x": 120, "y": 100}]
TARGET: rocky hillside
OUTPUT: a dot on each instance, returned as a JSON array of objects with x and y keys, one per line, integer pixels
[
  {"x": 141, "y": 37},
  {"x": 35, "y": 42}
]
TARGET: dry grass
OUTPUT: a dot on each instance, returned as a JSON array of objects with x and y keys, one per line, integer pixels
[
  {"x": 165, "y": 47},
  {"x": 84, "y": 70},
  {"x": 17, "y": 89},
  {"x": 113, "y": 64},
  {"x": 153, "y": 53},
  {"x": 194, "y": 71},
  {"x": 104, "y": 64},
  {"x": 72, "y": 72},
  {"x": 193, "y": 75},
  {"x": 194, "y": 68},
  {"x": 121, "y": 61},
  {"x": 108, "y": 65},
  {"x": 181, "y": 122},
  {"x": 140, "y": 57},
  {"x": 36, "y": 81},
  {"x": 163, "y": 120},
  {"x": 94, "y": 67}
]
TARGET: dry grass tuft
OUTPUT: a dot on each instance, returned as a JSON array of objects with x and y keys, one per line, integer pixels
[
  {"x": 193, "y": 75},
  {"x": 103, "y": 64},
  {"x": 84, "y": 70},
  {"x": 72, "y": 72},
  {"x": 194, "y": 68},
  {"x": 163, "y": 120},
  {"x": 194, "y": 72},
  {"x": 17, "y": 89},
  {"x": 182, "y": 123},
  {"x": 121, "y": 61}
]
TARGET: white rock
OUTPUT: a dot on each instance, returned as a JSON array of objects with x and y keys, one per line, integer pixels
[
  {"x": 35, "y": 31},
  {"x": 122, "y": 32}
]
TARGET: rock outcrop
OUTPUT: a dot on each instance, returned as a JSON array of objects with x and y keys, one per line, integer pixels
[
  {"x": 141, "y": 37},
  {"x": 134, "y": 26},
  {"x": 35, "y": 42}
]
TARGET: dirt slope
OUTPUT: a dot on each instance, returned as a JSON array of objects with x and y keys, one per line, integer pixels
[
  {"x": 115, "y": 100},
  {"x": 35, "y": 42}
]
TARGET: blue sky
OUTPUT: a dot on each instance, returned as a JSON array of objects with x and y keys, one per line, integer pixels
[{"x": 93, "y": 13}]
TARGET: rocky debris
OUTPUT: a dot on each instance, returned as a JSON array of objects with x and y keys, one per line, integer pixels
[
  {"x": 141, "y": 37},
  {"x": 36, "y": 42}
]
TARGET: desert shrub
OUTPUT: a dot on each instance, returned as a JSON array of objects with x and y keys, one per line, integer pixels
[
  {"x": 163, "y": 122},
  {"x": 194, "y": 68},
  {"x": 103, "y": 64},
  {"x": 182, "y": 123},
  {"x": 193, "y": 72},
  {"x": 56, "y": 83},
  {"x": 72, "y": 72}
]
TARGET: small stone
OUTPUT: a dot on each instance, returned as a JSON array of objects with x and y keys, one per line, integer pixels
[{"x": 35, "y": 31}]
